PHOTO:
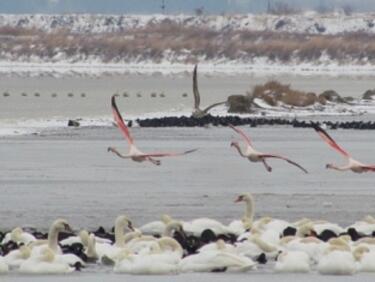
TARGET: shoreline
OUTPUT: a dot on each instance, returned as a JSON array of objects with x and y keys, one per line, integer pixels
[{"x": 261, "y": 67}]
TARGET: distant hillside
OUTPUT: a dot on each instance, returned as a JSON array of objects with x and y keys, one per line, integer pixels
[{"x": 315, "y": 39}]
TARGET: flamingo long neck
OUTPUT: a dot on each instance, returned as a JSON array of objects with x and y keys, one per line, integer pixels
[
  {"x": 119, "y": 235},
  {"x": 339, "y": 168},
  {"x": 239, "y": 150},
  {"x": 53, "y": 235},
  {"x": 115, "y": 151}
]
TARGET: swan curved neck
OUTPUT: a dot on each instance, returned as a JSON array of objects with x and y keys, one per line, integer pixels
[
  {"x": 53, "y": 235},
  {"x": 91, "y": 250},
  {"x": 249, "y": 208},
  {"x": 119, "y": 235},
  {"x": 170, "y": 243},
  {"x": 171, "y": 226}
]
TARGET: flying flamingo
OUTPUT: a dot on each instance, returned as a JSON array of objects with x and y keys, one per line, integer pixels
[
  {"x": 254, "y": 156},
  {"x": 198, "y": 113},
  {"x": 352, "y": 164},
  {"x": 134, "y": 153}
]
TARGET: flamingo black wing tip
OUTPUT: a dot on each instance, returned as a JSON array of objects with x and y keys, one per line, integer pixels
[{"x": 191, "y": 151}]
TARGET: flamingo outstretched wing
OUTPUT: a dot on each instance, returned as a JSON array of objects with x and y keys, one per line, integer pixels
[
  {"x": 329, "y": 140},
  {"x": 243, "y": 134},
  {"x": 120, "y": 122},
  {"x": 369, "y": 167},
  {"x": 168, "y": 154},
  {"x": 197, "y": 99},
  {"x": 285, "y": 159}
]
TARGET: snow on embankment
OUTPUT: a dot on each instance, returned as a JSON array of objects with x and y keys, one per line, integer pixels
[
  {"x": 310, "y": 22},
  {"x": 96, "y": 44}
]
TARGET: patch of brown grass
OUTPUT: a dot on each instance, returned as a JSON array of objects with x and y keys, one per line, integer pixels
[
  {"x": 154, "y": 39},
  {"x": 273, "y": 92}
]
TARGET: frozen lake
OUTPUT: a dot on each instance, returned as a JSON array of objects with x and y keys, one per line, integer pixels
[
  {"x": 97, "y": 91},
  {"x": 69, "y": 173}
]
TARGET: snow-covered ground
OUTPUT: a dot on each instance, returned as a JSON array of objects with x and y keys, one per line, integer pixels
[
  {"x": 308, "y": 22},
  {"x": 219, "y": 66},
  {"x": 55, "y": 61}
]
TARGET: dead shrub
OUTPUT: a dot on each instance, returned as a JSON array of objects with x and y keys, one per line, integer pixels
[{"x": 273, "y": 92}]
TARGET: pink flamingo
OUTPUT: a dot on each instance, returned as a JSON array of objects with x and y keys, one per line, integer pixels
[
  {"x": 254, "y": 156},
  {"x": 352, "y": 164},
  {"x": 134, "y": 153}
]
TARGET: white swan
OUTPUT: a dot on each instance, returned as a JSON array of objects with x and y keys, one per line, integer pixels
[
  {"x": 254, "y": 245},
  {"x": 144, "y": 244},
  {"x": 57, "y": 226},
  {"x": 197, "y": 226},
  {"x": 18, "y": 236},
  {"x": 293, "y": 261},
  {"x": 82, "y": 238},
  {"x": 365, "y": 226},
  {"x": 365, "y": 258},
  {"x": 337, "y": 259},
  {"x": 216, "y": 259},
  {"x": 162, "y": 259},
  {"x": 39, "y": 246},
  {"x": 44, "y": 263},
  {"x": 90, "y": 252},
  {"x": 16, "y": 257},
  {"x": 4, "y": 268},
  {"x": 110, "y": 251},
  {"x": 156, "y": 227},
  {"x": 239, "y": 227},
  {"x": 312, "y": 246}
]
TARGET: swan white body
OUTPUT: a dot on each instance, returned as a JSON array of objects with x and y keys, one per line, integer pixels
[
  {"x": 163, "y": 258},
  {"x": 366, "y": 260},
  {"x": 4, "y": 268},
  {"x": 311, "y": 246},
  {"x": 337, "y": 263},
  {"x": 156, "y": 227},
  {"x": 293, "y": 261},
  {"x": 197, "y": 226},
  {"x": 212, "y": 260},
  {"x": 18, "y": 236},
  {"x": 44, "y": 263},
  {"x": 16, "y": 257}
]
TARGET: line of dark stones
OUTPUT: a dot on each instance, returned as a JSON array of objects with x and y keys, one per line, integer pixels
[{"x": 251, "y": 121}]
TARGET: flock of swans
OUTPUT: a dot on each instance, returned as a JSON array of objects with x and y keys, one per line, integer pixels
[
  {"x": 171, "y": 246},
  {"x": 249, "y": 152}
]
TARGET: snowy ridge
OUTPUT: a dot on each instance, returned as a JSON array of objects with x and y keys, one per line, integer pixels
[{"x": 308, "y": 22}]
